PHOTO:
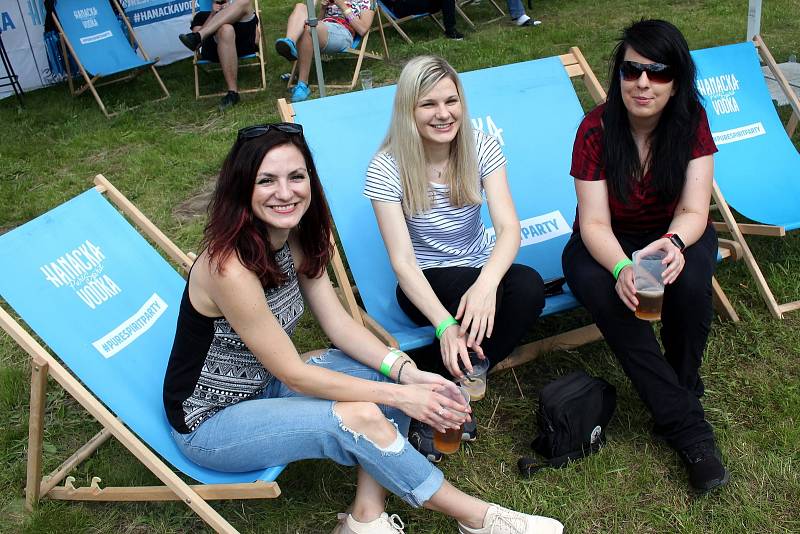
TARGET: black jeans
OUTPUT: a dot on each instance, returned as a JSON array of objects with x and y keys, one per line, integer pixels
[
  {"x": 669, "y": 384},
  {"x": 404, "y": 8},
  {"x": 520, "y": 299}
]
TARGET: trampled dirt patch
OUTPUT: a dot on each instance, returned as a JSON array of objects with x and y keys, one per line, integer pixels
[{"x": 196, "y": 205}]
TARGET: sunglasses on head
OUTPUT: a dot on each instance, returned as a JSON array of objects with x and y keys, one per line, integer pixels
[
  {"x": 656, "y": 72},
  {"x": 220, "y": 2},
  {"x": 258, "y": 130}
]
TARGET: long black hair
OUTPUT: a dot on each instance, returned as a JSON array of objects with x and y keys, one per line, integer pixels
[{"x": 672, "y": 139}]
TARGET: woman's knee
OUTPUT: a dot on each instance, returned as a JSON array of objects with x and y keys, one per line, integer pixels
[
  {"x": 526, "y": 284},
  {"x": 367, "y": 419}
]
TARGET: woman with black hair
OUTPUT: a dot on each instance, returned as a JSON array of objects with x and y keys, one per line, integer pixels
[
  {"x": 237, "y": 393},
  {"x": 643, "y": 170}
]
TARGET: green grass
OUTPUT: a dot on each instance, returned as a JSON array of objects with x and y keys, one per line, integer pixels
[{"x": 161, "y": 154}]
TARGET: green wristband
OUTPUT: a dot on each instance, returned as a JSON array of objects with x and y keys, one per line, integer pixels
[
  {"x": 621, "y": 265},
  {"x": 388, "y": 361},
  {"x": 446, "y": 322}
]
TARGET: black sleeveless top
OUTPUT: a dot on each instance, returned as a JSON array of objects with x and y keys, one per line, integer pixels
[{"x": 210, "y": 367}]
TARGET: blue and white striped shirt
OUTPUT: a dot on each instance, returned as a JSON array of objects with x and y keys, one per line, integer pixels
[{"x": 444, "y": 236}]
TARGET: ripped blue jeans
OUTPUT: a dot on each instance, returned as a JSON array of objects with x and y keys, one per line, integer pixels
[{"x": 283, "y": 426}]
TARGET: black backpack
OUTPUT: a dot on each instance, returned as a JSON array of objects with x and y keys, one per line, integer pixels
[{"x": 574, "y": 411}]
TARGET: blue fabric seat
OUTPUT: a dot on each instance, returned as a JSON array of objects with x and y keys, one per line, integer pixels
[
  {"x": 532, "y": 109},
  {"x": 757, "y": 168},
  {"x": 106, "y": 302}
]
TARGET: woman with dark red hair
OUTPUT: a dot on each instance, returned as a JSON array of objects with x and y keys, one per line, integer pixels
[{"x": 237, "y": 393}]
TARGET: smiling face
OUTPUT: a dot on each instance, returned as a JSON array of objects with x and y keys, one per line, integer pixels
[
  {"x": 643, "y": 98},
  {"x": 282, "y": 192},
  {"x": 438, "y": 114}
]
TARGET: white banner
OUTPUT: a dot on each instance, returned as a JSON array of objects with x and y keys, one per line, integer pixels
[
  {"x": 22, "y": 24},
  {"x": 157, "y": 24}
]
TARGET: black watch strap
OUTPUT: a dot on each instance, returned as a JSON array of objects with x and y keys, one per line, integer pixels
[{"x": 676, "y": 240}]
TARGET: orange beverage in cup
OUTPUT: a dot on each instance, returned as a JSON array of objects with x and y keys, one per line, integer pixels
[
  {"x": 449, "y": 441},
  {"x": 648, "y": 271},
  {"x": 649, "y": 307}
]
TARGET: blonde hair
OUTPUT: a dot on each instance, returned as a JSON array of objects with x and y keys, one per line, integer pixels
[{"x": 404, "y": 143}]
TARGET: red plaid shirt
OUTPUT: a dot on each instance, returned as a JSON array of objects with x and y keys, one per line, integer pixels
[{"x": 643, "y": 212}]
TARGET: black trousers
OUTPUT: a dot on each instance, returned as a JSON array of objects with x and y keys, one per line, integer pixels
[
  {"x": 404, "y": 8},
  {"x": 669, "y": 384},
  {"x": 520, "y": 300}
]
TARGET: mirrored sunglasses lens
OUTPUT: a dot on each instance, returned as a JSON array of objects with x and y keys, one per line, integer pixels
[{"x": 630, "y": 72}]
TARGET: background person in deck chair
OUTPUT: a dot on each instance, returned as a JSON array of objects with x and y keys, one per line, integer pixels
[
  {"x": 236, "y": 391},
  {"x": 643, "y": 169},
  {"x": 426, "y": 185},
  {"x": 405, "y": 8},
  {"x": 225, "y": 33},
  {"x": 339, "y": 24}
]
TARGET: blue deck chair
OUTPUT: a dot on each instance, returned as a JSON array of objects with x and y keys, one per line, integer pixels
[
  {"x": 358, "y": 51},
  {"x": 91, "y": 33},
  {"x": 757, "y": 169},
  {"x": 256, "y": 59},
  {"x": 533, "y": 110},
  {"x": 106, "y": 302}
]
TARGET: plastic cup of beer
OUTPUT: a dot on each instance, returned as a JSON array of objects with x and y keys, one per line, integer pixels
[
  {"x": 648, "y": 271},
  {"x": 475, "y": 382},
  {"x": 366, "y": 79},
  {"x": 449, "y": 441}
]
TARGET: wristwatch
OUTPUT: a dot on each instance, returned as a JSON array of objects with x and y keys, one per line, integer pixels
[{"x": 676, "y": 240}]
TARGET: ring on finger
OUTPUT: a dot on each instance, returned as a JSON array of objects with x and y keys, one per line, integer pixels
[{"x": 440, "y": 412}]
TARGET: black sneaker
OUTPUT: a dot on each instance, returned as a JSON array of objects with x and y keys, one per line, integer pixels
[
  {"x": 420, "y": 436},
  {"x": 470, "y": 430},
  {"x": 454, "y": 34},
  {"x": 704, "y": 463},
  {"x": 230, "y": 99},
  {"x": 191, "y": 40}
]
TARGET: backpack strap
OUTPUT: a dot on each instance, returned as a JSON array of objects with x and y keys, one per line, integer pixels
[{"x": 528, "y": 466}]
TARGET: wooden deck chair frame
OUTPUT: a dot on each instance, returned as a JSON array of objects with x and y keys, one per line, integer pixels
[
  {"x": 43, "y": 363},
  {"x": 738, "y": 230},
  {"x": 396, "y": 22},
  {"x": 464, "y": 3},
  {"x": 576, "y": 66},
  {"x": 198, "y": 64},
  {"x": 68, "y": 50},
  {"x": 358, "y": 53}
]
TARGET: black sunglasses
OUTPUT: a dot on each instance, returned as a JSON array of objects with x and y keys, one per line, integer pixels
[
  {"x": 258, "y": 130},
  {"x": 220, "y": 2},
  {"x": 656, "y": 72}
]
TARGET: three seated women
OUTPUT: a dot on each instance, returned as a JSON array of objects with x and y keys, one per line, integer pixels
[{"x": 642, "y": 165}]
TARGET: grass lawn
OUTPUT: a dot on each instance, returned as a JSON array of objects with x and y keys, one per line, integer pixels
[{"x": 162, "y": 154}]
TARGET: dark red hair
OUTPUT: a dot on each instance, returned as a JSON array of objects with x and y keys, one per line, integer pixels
[{"x": 233, "y": 229}]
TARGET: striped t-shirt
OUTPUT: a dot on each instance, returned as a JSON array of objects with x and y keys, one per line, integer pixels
[{"x": 444, "y": 236}]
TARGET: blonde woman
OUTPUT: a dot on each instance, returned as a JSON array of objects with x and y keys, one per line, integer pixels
[{"x": 427, "y": 184}]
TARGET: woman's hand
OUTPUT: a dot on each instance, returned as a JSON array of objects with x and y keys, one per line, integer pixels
[
  {"x": 432, "y": 405},
  {"x": 674, "y": 259},
  {"x": 455, "y": 349},
  {"x": 626, "y": 289},
  {"x": 476, "y": 312}
]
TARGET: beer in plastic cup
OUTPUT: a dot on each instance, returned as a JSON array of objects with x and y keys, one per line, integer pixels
[
  {"x": 449, "y": 441},
  {"x": 648, "y": 271},
  {"x": 475, "y": 382},
  {"x": 366, "y": 79}
]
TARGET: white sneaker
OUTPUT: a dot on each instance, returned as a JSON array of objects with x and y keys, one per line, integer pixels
[
  {"x": 501, "y": 520},
  {"x": 385, "y": 524}
]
